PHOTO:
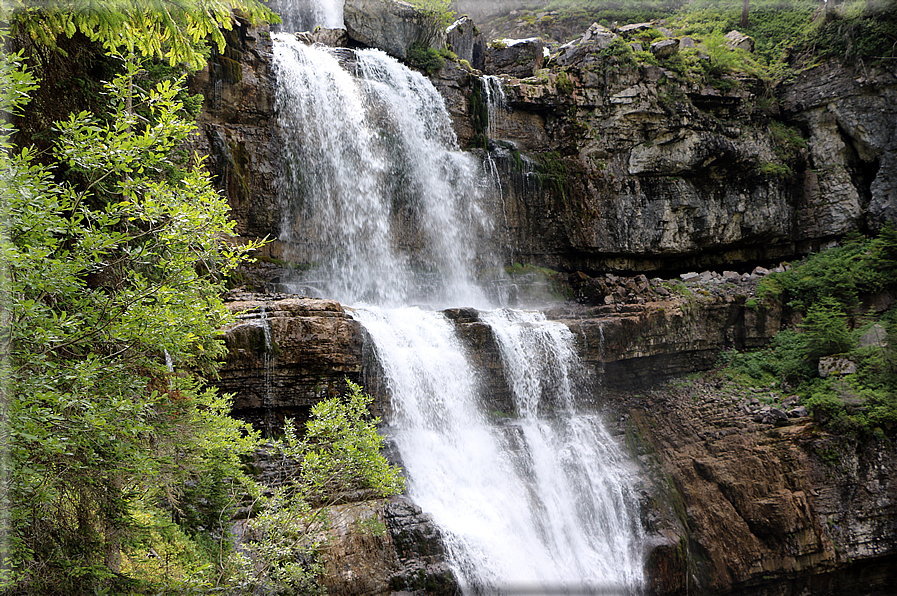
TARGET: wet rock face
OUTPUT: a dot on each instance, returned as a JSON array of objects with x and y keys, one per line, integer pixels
[
  {"x": 285, "y": 354},
  {"x": 237, "y": 128}
]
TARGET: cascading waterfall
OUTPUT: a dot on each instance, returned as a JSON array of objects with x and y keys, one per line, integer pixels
[
  {"x": 378, "y": 196},
  {"x": 387, "y": 211}
]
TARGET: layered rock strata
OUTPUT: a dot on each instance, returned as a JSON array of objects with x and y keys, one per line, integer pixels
[
  {"x": 760, "y": 505},
  {"x": 607, "y": 164},
  {"x": 743, "y": 493}
]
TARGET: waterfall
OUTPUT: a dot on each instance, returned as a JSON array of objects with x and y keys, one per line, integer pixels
[
  {"x": 538, "y": 504},
  {"x": 496, "y": 103},
  {"x": 386, "y": 212},
  {"x": 269, "y": 422},
  {"x": 305, "y": 15},
  {"x": 379, "y": 199}
]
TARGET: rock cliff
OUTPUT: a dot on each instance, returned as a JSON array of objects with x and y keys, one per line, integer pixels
[
  {"x": 613, "y": 166},
  {"x": 741, "y": 493},
  {"x": 606, "y": 163}
]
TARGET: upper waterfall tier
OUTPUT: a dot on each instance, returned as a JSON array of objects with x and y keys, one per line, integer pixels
[{"x": 377, "y": 197}]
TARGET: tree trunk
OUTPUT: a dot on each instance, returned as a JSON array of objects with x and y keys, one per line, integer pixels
[{"x": 745, "y": 9}]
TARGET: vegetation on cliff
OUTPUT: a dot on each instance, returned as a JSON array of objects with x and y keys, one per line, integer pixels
[
  {"x": 786, "y": 35},
  {"x": 843, "y": 315}
]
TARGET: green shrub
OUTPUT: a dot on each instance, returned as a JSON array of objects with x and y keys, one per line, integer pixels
[
  {"x": 776, "y": 170},
  {"x": 425, "y": 58}
]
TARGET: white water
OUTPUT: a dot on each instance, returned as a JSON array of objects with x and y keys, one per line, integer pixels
[
  {"x": 305, "y": 15},
  {"x": 379, "y": 197},
  {"x": 496, "y": 103},
  {"x": 381, "y": 201}
]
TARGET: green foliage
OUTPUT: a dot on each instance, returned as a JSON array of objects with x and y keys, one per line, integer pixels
[
  {"x": 859, "y": 265},
  {"x": 622, "y": 11},
  {"x": 827, "y": 288},
  {"x": 440, "y": 10},
  {"x": 175, "y": 31},
  {"x": 776, "y": 170},
  {"x": 104, "y": 272},
  {"x": 339, "y": 453},
  {"x": 788, "y": 141},
  {"x": 825, "y": 328},
  {"x": 341, "y": 450},
  {"x": 854, "y": 30},
  {"x": 426, "y": 58},
  {"x": 564, "y": 83}
]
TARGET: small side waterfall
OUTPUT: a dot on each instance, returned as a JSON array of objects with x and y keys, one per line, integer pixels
[
  {"x": 387, "y": 212},
  {"x": 269, "y": 422},
  {"x": 496, "y": 103}
]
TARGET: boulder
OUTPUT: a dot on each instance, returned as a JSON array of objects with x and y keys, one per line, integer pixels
[
  {"x": 391, "y": 26},
  {"x": 737, "y": 39},
  {"x": 633, "y": 28},
  {"x": 515, "y": 57},
  {"x": 664, "y": 48},
  {"x": 836, "y": 365},
  {"x": 876, "y": 336},
  {"x": 465, "y": 40},
  {"x": 595, "y": 39},
  {"x": 334, "y": 38}
]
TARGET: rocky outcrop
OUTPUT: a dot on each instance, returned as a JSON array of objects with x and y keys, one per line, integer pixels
[
  {"x": 285, "y": 354},
  {"x": 384, "y": 547},
  {"x": 514, "y": 57},
  {"x": 607, "y": 164},
  {"x": 850, "y": 115},
  {"x": 650, "y": 331},
  {"x": 392, "y": 26},
  {"x": 611, "y": 164},
  {"x": 466, "y": 41},
  {"x": 237, "y": 128},
  {"x": 760, "y": 503}
]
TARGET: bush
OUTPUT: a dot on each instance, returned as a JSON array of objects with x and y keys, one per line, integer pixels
[{"x": 425, "y": 58}]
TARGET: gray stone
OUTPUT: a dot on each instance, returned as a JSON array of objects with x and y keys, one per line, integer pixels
[
  {"x": 686, "y": 42},
  {"x": 760, "y": 271},
  {"x": 515, "y": 57},
  {"x": 836, "y": 365},
  {"x": 688, "y": 276},
  {"x": 736, "y": 39},
  {"x": 335, "y": 38},
  {"x": 798, "y": 412},
  {"x": 391, "y": 26},
  {"x": 883, "y": 206},
  {"x": 664, "y": 48},
  {"x": 875, "y": 336},
  {"x": 633, "y": 28}
]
